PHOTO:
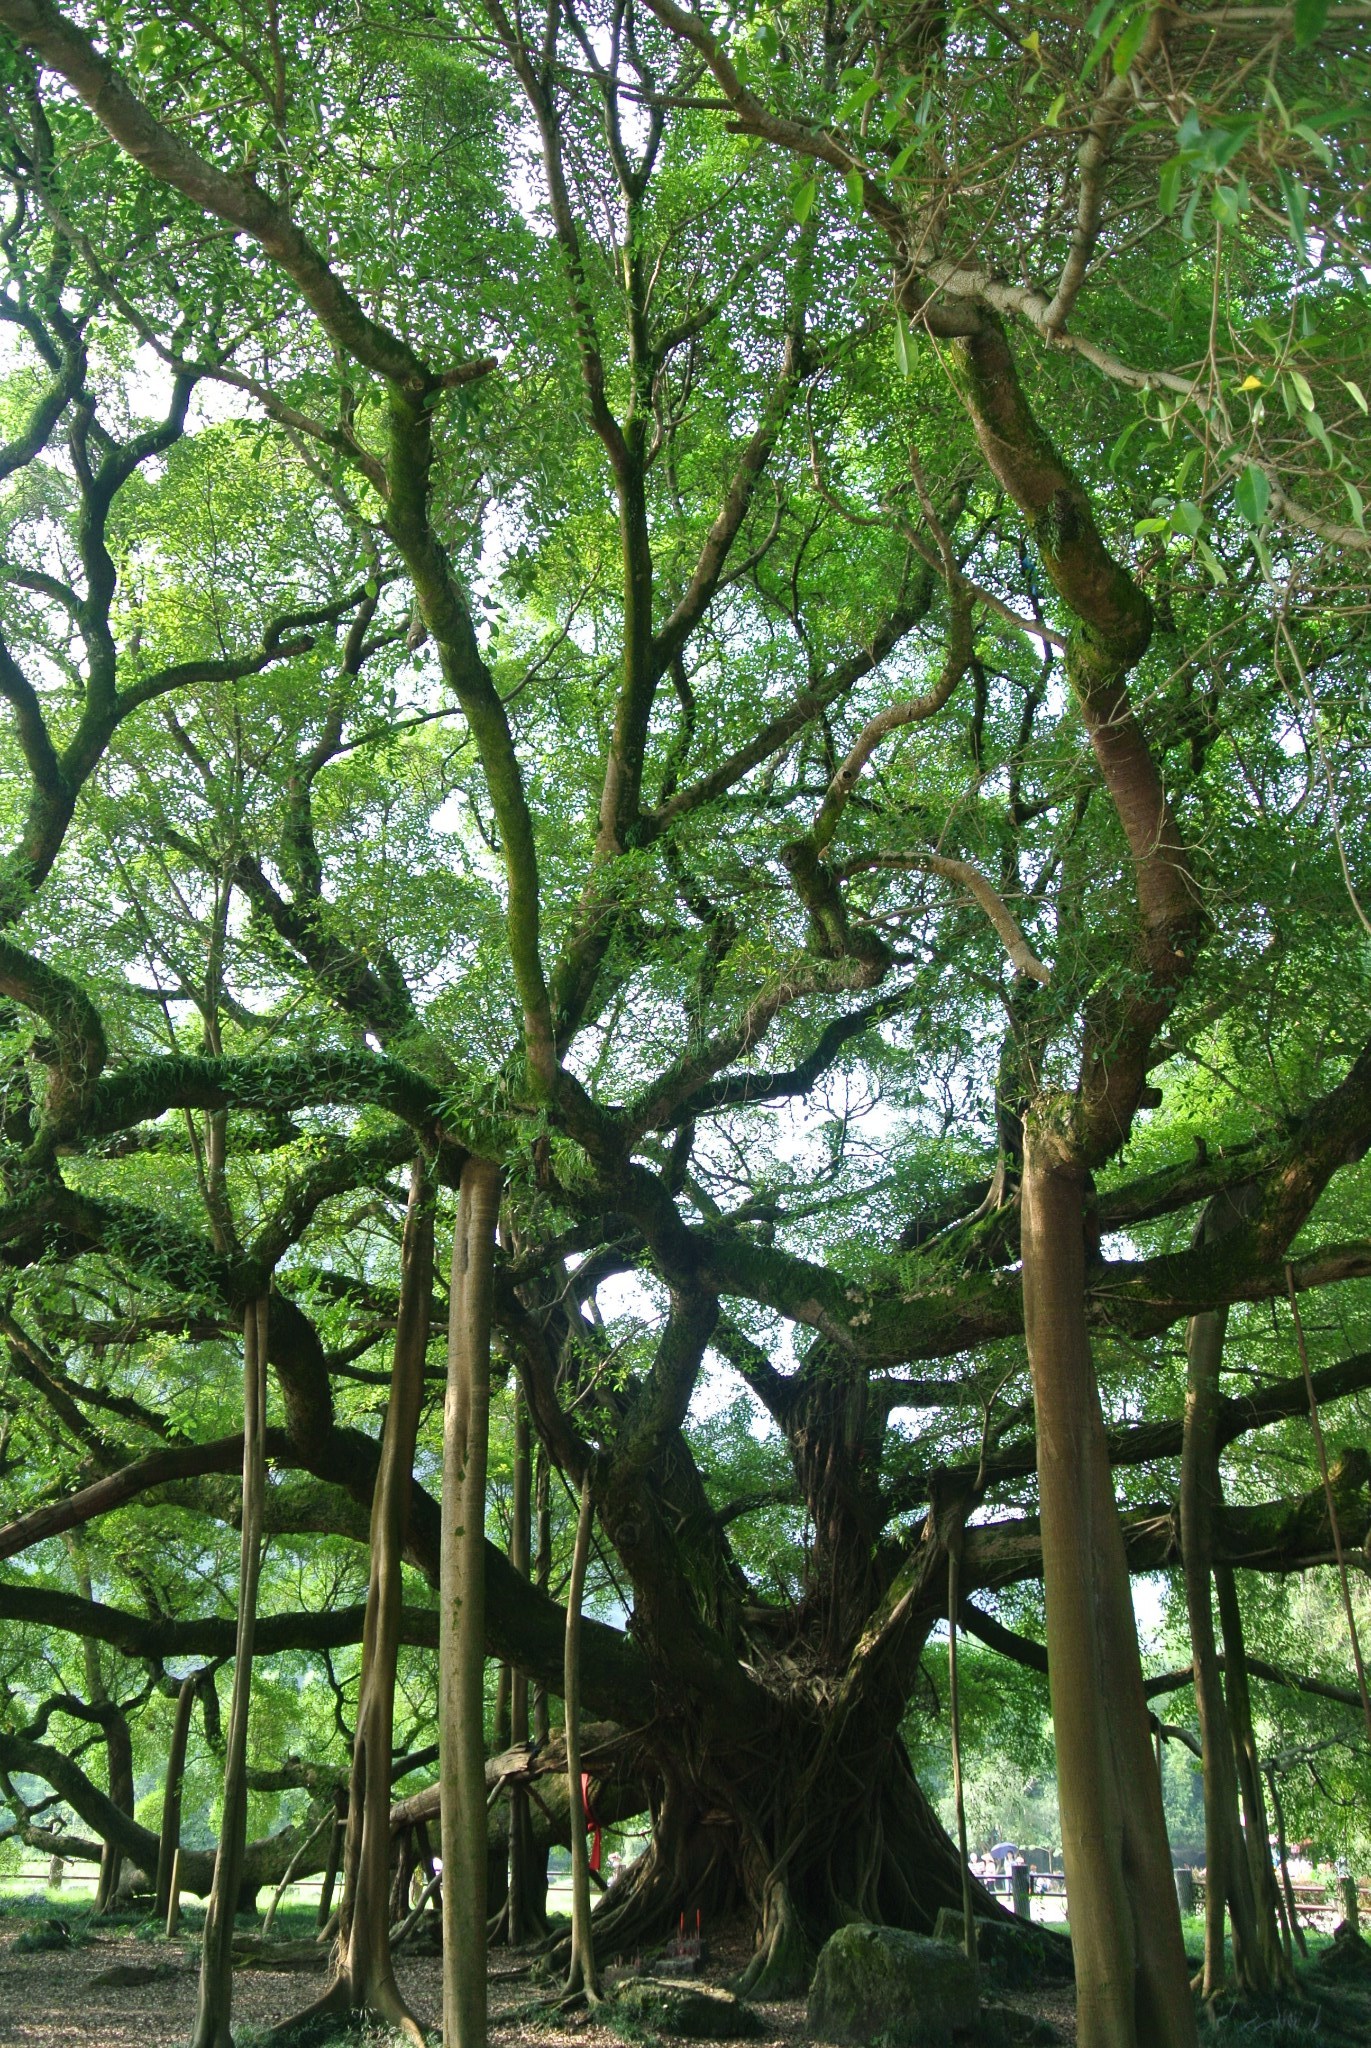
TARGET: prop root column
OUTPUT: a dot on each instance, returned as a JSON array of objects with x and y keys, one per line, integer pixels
[
  {"x": 1131, "y": 1977},
  {"x": 462, "y": 1619}
]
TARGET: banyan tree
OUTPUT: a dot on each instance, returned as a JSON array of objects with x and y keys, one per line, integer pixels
[{"x": 726, "y": 658}]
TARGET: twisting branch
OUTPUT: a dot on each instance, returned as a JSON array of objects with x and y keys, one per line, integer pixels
[
  {"x": 1107, "y": 117},
  {"x": 913, "y": 710},
  {"x": 970, "y": 878}
]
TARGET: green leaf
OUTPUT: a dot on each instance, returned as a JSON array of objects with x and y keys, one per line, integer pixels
[
  {"x": 1130, "y": 42},
  {"x": 856, "y": 189},
  {"x": 904, "y": 345},
  {"x": 1223, "y": 144},
  {"x": 1054, "y": 112},
  {"x": 1169, "y": 184},
  {"x": 1188, "y": 217},
  {"x": 1269, "y": 91},
  {"x": 1188, "y": 134},
  {"x": 1225, "y": 205},
  {"x": 1296, "y": 212},
  {"x": 1357, "y": 502},
  {"x": 1302, "y": 388},
  {"x": 856, "y": 100},
  {"x": 1358, "y": 394},
  {"x": 1217, "y": 572},
  {"x": 1143, "y": 526},
  {"x": 1316, "y": 142},
  {"x": 1187, "y": 518},
  {"x": 1253, "y": 494},
  {"x": 802, "y": 197},
  {"x": 1116, "y": 453},
  {"x": 1309, "y": 19},
  {"x": 1319, "y": 432}
]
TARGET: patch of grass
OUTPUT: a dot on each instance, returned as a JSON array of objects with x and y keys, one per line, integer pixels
[
  {"x": 1288, "y": 2026},
  {"x": 52, "y": 1936},
  {"x": 1333, "y": 2010}
]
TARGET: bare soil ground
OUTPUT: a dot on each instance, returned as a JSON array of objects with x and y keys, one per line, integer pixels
[
  {"x": 52, "y": 1999},
  {"x": 56, "y": 1999}
]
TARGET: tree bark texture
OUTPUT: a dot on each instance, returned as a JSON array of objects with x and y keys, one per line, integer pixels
[
  {"x": 1131, "y": 1976},
  {"x": 461, "y": 1647},
  {"x": 214, "y": 2011}
]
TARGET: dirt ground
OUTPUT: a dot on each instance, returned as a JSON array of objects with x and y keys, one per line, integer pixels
[{"x": 51, "y": 1999}]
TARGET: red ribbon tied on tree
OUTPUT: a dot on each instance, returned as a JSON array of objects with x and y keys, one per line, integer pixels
[{"x": 593, "y": 1827}]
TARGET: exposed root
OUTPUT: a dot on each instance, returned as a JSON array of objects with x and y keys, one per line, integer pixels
[
  {"x": 380, "y": 2001},
  {"x": 784, "y": 1962}
]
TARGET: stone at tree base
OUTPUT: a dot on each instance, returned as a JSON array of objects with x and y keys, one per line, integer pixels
[
  {"x": 884, "y": 1984},
  {"x": 1016, "y": 1951},
  {"x": 1004, "y": 2026},
  {"x": 127, "y": 1976},
  {"x": 1347, "y": 1955},
  {"x": 647, "y": 2005}
]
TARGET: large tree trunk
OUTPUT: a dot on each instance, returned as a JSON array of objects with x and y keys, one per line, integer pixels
[
  {"x": 461, "y": 1641},
  {"x": 366, "y": 1975},
  {"x": 214, "y": 2011},
  {"x": 1132, "y": 1982},
  {"x": 798, "y": 1827}
]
